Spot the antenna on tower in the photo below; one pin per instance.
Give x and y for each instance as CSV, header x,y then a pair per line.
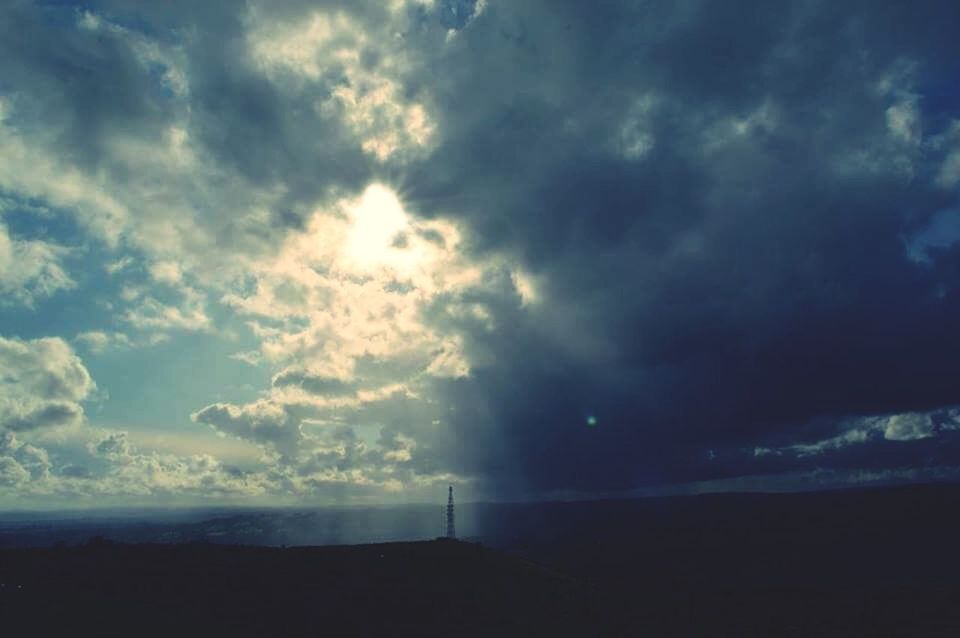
x,y
451,527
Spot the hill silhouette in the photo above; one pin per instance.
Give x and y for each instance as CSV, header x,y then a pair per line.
x,y
879,562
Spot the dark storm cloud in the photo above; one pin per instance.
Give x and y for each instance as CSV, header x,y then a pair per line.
x,y
743,280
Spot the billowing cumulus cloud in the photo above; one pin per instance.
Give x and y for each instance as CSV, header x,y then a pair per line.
x,y
535,246
93,467
262,422
43,384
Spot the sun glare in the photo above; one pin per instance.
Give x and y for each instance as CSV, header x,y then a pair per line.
x,y
378,223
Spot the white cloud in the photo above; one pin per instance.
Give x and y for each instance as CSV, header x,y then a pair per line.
x,y
114,467
341,311
262,422
948,175
153,189
130,470
908,427
370,100
850,437
98,341
43,383
903,120
636,137
152,314
99,466
30,269
30,170
353,286
12,473
250,357
118,265
167,272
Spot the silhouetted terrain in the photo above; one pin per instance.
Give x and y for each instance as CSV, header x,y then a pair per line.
x,y
879,562
430,588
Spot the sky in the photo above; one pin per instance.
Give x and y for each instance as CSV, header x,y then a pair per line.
x,y
337,253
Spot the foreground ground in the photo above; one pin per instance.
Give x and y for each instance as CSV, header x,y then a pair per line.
x,y
854,563
428,588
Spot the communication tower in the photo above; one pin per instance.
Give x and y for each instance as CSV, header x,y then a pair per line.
x,y
451,527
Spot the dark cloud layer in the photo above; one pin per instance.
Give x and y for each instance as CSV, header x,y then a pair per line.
x,y
729,287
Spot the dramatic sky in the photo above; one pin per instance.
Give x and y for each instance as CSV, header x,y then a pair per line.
x,y
350,252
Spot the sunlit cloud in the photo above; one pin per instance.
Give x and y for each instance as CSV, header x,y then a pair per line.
x,y
341,310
